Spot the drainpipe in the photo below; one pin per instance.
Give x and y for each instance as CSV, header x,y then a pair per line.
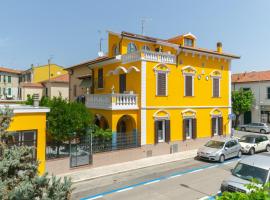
x,y
120,44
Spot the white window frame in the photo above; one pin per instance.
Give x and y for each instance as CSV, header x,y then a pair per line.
x,y
192,75
162,72
129,47
163,128
219,78
190,125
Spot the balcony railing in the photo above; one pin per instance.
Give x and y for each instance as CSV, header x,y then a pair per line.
x,y
149,56
112,101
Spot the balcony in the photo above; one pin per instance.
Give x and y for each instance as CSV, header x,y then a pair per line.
x,y
112,101
149,56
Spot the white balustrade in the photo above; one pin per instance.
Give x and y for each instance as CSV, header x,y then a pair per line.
x,y
149,56
112,101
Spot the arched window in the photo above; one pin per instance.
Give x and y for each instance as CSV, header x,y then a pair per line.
x,y
131,47
145,48
115,50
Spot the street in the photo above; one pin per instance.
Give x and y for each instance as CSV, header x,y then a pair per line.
x,y
190,179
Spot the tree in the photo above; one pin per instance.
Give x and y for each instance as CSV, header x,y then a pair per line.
x,y
19,178
258,192
67,120
241,102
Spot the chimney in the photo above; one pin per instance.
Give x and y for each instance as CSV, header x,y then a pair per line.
x,y
219,47
35,100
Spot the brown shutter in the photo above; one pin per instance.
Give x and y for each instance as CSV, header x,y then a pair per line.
x,y
194,128
100,78
167,131
188,86
184,134
215,87
156,132
220,125
213,126
161,87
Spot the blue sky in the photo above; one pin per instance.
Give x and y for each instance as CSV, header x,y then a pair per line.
x,y
31,31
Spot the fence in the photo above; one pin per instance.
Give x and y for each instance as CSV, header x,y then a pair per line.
x,y
99,144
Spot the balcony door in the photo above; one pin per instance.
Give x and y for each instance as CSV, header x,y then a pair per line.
x,y
122,83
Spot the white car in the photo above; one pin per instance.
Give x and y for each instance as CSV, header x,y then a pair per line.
x,y
254,143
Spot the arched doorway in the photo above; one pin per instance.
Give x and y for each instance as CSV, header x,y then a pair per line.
x,y
126,132
101,121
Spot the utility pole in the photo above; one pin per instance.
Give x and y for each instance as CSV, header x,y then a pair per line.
x,y
143,21
49,65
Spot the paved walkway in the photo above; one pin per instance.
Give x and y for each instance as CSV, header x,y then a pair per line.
x,y
87,174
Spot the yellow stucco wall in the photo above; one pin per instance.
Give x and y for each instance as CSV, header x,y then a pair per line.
x,y
41,73
33,121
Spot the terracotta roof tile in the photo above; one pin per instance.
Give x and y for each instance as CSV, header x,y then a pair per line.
x,y
8,70
251,77
59,79
31,85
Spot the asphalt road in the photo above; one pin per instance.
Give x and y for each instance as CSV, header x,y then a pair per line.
x,y
187,179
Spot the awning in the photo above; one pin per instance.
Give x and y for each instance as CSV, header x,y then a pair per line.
x,y
86,83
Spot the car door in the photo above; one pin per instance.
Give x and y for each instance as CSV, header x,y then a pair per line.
x,y
265,142
228,149
258,144
250,127
235,148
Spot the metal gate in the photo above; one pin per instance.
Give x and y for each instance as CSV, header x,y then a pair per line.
x,y
81,151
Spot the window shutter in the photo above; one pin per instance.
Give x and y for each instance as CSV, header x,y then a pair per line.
x,y
213,126
188,86
194,128
184,133
220,125
100,78
167,131
161,84
156,133
215,87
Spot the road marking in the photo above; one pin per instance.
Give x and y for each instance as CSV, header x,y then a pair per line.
x,y
211,197
174,175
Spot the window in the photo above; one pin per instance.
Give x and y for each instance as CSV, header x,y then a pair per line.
x,y
189,85
100,78
4,91
162,130
145,48
217,126
216,87
131,48
161,89
74,90
4,78
9,79
0,78
268,93
9,91
46,92
188,42
115,50
189,128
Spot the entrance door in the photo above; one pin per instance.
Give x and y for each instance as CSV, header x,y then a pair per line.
x,y
122,83
247,117
161,131
188,128
215,125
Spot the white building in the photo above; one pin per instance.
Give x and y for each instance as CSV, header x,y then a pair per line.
x,y
259,84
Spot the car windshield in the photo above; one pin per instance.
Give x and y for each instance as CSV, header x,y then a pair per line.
x,y
246,139
214,144
249,172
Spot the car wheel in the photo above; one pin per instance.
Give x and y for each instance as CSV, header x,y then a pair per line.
x,y
268,148
239,155
262,131
252,151
221,158
243,129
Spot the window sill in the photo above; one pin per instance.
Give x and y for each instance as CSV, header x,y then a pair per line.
x,y
189,96
217,97
99,88
161,95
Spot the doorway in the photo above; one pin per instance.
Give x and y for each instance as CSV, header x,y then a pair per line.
x,y
161,130
215,125
247,117
188,128
122,83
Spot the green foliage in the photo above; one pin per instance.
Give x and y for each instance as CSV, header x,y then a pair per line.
x,y
44,101
257,192
29,100
6,115
19,179
241,102
101,134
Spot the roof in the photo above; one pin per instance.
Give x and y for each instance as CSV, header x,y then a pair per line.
x,y
59,79
261,161
31,85
19,108
8,70
88,62
251,77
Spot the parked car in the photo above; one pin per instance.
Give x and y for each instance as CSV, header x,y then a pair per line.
x,y
254,143
256,166
255,127
220,149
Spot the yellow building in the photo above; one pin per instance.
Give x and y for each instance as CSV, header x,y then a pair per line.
x,y
29,128
163,90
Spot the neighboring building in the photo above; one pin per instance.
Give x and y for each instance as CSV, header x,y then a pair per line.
x,y
9,83
30,89
37,74
259,84
29,128
58,86
159,90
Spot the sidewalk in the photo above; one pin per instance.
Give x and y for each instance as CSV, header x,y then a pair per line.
x,y
88,174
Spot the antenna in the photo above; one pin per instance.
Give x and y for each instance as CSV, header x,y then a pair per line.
x,y
100,40
143,21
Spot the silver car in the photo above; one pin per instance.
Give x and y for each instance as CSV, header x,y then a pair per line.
x,y
253,167
255,127
220,150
